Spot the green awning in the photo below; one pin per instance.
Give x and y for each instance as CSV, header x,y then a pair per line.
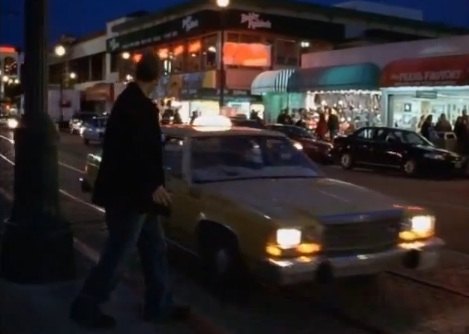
x,y
271,82
357,76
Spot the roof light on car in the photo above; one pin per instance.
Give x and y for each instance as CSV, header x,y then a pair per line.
x,y
12,123
298,145
212,123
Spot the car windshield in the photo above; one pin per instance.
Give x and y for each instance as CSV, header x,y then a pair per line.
x,y
226,158
412,138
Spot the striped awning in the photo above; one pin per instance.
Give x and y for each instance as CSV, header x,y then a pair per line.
x,y
271,82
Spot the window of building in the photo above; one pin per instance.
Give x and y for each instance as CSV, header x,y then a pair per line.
x,y
114,61
287,53
194,53
209,53
10,66
97,67
176,55
163,53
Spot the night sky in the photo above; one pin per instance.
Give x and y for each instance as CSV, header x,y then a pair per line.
x,y
79,17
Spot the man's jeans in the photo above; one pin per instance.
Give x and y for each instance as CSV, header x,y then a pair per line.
x,y
126,230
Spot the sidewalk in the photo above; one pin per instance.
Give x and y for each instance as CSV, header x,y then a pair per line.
x,y
43,309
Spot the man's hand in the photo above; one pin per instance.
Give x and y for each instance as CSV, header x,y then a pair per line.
x,y
161,196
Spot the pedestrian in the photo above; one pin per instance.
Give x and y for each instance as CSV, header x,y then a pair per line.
x,y
333,124
130,186
443,125
321,127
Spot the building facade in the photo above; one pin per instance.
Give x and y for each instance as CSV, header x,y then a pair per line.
x,y
248,51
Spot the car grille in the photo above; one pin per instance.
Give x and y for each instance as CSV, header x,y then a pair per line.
x,y
361,237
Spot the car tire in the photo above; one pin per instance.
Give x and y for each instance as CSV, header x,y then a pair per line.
x,y
222,261
346,160
409,167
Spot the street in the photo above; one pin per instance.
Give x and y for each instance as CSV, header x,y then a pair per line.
x,y
385,306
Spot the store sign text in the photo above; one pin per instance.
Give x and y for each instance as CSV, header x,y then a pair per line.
x,y
428,76
254,21
189,23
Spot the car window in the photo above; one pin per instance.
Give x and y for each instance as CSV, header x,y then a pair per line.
x,y
412,138
365,134
172,155
224,158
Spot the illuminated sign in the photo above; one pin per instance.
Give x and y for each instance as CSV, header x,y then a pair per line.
x,y
254,21
189,23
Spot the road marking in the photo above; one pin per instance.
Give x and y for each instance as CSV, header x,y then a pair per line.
x,y
4,157
63,164
11,141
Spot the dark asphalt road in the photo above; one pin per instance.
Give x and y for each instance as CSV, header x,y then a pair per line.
x,y
274,312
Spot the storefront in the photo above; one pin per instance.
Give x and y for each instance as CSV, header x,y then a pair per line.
x,y
272,87
352,91
415,88
196,62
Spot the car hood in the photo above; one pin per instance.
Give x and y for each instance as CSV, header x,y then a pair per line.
x,y
291,200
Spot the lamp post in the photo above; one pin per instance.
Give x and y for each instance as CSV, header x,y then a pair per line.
x,y
222,4
37,243
60,51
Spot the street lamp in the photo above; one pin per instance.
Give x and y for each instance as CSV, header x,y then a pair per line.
x,y
222,4
126,55
60,50
73,75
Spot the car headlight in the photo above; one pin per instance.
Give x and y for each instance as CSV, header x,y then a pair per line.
x,y
434,156
298,145
418,227
288,237
12,123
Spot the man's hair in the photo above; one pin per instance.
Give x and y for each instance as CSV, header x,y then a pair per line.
x,y
147,69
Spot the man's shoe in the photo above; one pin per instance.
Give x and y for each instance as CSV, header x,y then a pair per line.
x,y
91,318
176,313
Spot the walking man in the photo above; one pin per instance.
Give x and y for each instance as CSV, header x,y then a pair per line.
x,y
130,186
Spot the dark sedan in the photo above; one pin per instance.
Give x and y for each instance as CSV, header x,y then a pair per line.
x,y
395,148
317,150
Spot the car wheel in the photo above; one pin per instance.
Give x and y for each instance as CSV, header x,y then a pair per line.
x,y
346,160
409,167
221,259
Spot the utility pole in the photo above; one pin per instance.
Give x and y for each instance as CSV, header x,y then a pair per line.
x,y
37,244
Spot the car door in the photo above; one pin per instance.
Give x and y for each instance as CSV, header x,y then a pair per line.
x,y
378,154
362,145
185,206
394,149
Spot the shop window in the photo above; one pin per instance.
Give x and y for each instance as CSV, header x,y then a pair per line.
x,y
287,53
177,56
10,66
194,56
209,53
163,54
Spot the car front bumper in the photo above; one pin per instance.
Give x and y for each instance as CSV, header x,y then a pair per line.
x,y
417,255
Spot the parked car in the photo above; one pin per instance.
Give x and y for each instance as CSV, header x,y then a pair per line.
x,y
318,150
246,200
78,120
93,130
399,149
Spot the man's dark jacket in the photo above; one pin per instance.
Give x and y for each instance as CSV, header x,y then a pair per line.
x,y
131,167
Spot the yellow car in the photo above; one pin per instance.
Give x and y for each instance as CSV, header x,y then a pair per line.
x,y
248,200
